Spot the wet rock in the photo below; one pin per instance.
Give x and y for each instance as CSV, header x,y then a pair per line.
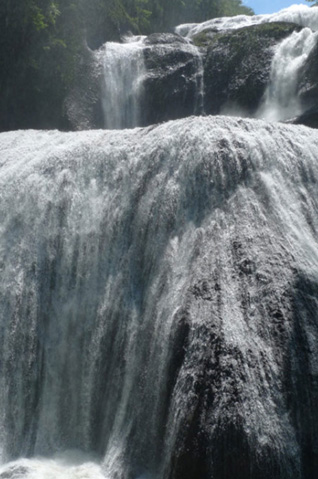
x,y
83,105
309,118
165,38
237,66
172,84
308,87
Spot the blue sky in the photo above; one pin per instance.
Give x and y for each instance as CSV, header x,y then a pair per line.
x,y
271,6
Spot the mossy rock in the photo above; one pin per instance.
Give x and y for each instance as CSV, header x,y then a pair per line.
x,y
237,65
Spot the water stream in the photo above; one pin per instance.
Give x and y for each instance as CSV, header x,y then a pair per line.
x,y
281,100
136,265
124,71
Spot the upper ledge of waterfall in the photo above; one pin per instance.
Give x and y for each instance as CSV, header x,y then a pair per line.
x,y
224,66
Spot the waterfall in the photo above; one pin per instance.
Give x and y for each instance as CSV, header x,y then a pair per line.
x,y
150,79
159,301
124,71
281,100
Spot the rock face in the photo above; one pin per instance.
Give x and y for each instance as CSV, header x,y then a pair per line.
x,y
309,118
83,104
308,84
173,84
237,66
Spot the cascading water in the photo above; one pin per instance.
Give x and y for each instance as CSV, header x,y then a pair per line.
x,y
281,100
131,70
124,72
158,291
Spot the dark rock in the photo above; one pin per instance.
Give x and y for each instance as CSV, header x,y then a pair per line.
x,y
237,66
172,85
308,84
83,104
14,472
309,118
164,38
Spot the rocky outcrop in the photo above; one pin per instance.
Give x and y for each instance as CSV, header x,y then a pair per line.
x,y
308,86
309,118
237,65
172,86
174,76
83,105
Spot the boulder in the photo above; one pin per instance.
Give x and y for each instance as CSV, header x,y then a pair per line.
x,y
309,118
237,65
173,85
83,105
308,84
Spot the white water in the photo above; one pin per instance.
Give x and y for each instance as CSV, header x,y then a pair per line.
x,y
124,72
69,465
281,100
302,15
104,237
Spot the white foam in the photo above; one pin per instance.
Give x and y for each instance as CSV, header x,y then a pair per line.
x,y
302,15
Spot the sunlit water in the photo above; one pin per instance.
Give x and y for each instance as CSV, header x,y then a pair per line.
x,y
124,71
69,465
281,100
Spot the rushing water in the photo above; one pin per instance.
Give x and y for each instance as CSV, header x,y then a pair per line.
x,y
281,100
148,288
124,71
67,465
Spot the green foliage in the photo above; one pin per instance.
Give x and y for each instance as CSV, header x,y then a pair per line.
x,y
39,43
